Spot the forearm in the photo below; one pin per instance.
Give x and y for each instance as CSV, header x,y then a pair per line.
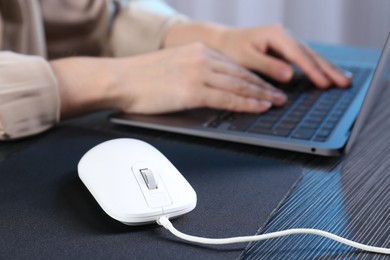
x,y
85,85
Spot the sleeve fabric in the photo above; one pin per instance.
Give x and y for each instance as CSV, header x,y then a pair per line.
x,y
140,26
29,101
106,27
29,94
75,27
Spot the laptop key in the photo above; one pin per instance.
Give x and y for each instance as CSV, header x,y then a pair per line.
x,y
259,130
275,132
275,112
313,120
269,118
281,132
242,123
291,120
220,118
323,133
303,133
287,125
297,114
214,124
328,126
333,119
320,139
310,125
265,124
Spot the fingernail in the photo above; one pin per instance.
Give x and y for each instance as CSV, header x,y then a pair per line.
x,y
279,98
347,74
286,74
265,104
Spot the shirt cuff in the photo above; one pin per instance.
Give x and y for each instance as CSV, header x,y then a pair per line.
x,y
140,26
29,98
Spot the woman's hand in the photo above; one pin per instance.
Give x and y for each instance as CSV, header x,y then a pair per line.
x,y
251,48
205,66
185,77
190,76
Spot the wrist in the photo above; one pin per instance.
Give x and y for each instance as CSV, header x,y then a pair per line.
x,y
85,85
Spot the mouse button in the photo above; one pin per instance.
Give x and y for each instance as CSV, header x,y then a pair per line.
x,y
183,195
157,197
112,185
120,197
149,178
181,192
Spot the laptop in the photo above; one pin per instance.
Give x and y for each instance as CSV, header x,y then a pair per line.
x,y
314,121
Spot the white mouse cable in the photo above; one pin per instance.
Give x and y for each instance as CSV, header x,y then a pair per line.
x,y
164,221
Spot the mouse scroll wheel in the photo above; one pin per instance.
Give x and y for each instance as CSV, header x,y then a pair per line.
x,y
149,179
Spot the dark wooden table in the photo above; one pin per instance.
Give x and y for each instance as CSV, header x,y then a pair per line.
x,y
348,196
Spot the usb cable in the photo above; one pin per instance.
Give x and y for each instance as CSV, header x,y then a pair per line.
x,y
167,224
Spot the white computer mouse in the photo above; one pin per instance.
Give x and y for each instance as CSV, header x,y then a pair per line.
x,y
135,183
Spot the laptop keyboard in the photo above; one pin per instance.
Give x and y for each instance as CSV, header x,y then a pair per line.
x,y
309,114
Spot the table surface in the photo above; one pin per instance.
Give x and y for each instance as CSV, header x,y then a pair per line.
x,y
347,195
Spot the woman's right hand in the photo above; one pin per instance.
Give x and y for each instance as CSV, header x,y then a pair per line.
x,y
186,77
173,79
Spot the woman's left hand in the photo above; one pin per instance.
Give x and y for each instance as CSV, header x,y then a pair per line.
x,y
270,50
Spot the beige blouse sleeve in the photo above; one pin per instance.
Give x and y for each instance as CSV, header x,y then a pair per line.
x,y
140,26
29,101
106,27
29,96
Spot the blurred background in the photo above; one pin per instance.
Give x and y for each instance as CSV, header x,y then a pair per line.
x,y
363,23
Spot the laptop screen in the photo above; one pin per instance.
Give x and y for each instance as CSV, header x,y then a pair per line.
x,y
380,80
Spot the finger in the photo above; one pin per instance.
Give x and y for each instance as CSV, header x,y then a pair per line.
x,y
274,68
219,99
217,55
225,65
238,71
292,52
256,60
243,88
334,74
239,80
270,66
